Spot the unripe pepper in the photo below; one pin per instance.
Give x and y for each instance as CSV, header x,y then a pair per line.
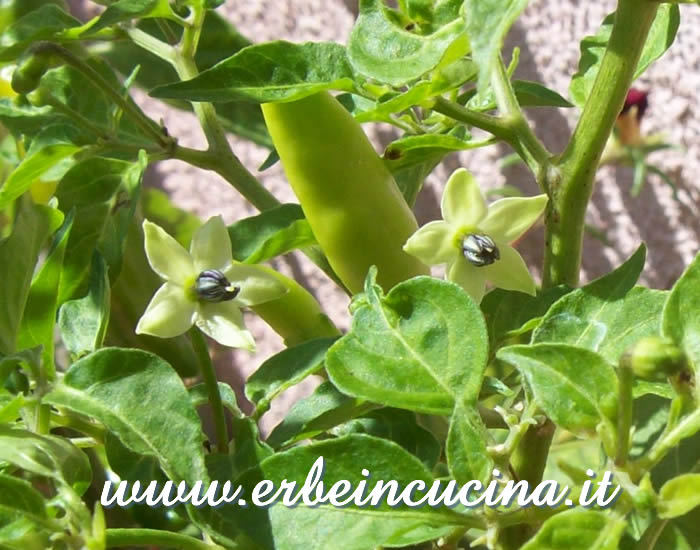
x,y
30,69
296,315
348,196
654,358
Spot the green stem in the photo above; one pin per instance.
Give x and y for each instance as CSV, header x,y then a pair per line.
x,y
530,148
121,538
209,378
512,130
625,412
687,426
567,209
652,534
149,127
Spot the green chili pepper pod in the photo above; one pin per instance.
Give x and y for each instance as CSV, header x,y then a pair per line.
x,y
349,197
30,69
296,315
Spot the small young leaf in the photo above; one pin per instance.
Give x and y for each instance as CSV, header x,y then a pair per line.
x,y
607,315
679,496
44,156
199,394
578,530
380,49
287,368
506,311
273,71
467,455
47,456
575,387
422,347
117,387
18,256
324,409
125,10
411,150
681,321
488,22
661,36
398,426
39,316
19,498
83,322
44,23
270,234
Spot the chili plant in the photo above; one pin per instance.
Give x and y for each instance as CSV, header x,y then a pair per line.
x,y
487,378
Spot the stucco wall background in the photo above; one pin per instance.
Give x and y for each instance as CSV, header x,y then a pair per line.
x,y
548,35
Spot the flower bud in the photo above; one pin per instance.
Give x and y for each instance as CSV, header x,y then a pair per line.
x,y
655,358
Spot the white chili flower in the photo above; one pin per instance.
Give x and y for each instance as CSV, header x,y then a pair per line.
x,y
475,240
203,287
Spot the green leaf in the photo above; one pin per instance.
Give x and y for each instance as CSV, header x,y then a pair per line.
x,y
91,188
47,456
681,322
607,315
575,387
488,23
116,387
158,208
314,528
421,347
18,256
446,79
284,370
467,454
10,407
44,156
661,36
269,234
507,311
125,10
39,318
382,50
398,426
679,496
19,498
44,23
528,94
83,322
274,71
578,530
199,394
324,409
412,150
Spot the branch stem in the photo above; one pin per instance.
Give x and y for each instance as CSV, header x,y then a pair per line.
x,y
578,163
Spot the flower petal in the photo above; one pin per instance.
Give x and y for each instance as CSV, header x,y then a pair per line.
x,y
166,256
462,202
257,286
432,243
168,314
509,218
510,272
211,246
469,277
223,321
